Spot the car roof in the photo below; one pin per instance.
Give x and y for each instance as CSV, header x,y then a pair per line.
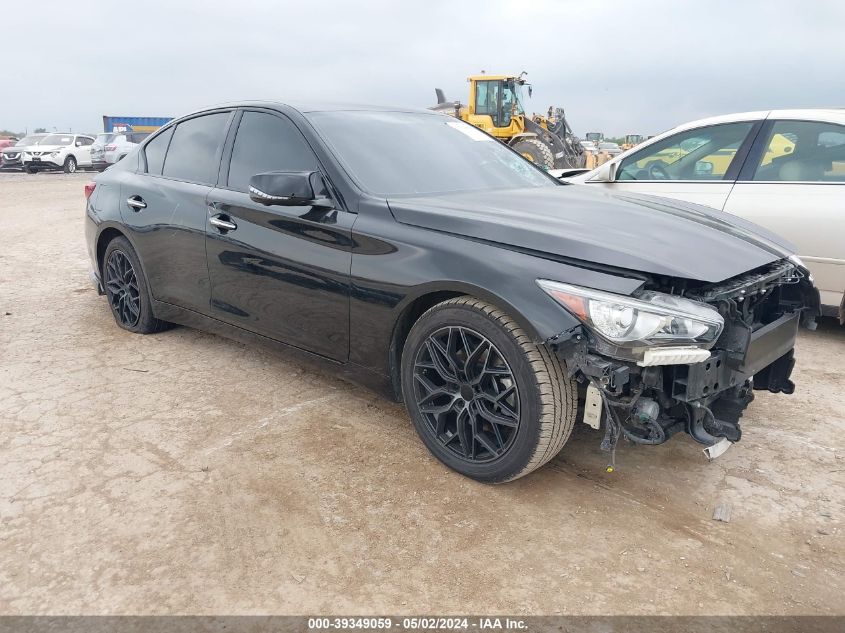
x,y
318,106
835,114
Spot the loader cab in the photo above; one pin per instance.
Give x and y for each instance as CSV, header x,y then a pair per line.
x,y
495,104
631,140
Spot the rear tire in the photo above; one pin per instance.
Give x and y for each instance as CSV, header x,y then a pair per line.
x,y
126,289
70,165
536,151
506,424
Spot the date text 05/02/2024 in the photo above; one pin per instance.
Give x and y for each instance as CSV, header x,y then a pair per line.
x,y
417,623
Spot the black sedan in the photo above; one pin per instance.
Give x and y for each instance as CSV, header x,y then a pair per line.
x,y
423,257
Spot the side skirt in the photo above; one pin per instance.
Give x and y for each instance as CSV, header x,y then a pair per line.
x,y
349,372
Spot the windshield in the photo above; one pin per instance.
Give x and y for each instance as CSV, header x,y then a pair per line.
x,y
57,139
406,153
29,140
103,139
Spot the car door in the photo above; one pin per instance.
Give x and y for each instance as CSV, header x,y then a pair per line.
x,y
83,150
697,165
164,205
282,272
793,183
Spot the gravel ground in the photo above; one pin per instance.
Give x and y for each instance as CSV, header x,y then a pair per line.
x,y
184,473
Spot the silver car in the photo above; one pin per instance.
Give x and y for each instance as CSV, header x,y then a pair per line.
x,y
110,147
10,157
611,148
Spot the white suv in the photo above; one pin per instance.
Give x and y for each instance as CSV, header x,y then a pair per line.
x,y
110,147
59,151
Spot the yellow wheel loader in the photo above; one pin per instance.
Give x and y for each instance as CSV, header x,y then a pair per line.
x,y
496,106
631,140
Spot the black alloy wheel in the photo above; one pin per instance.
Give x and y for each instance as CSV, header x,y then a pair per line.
x,y
122,289
485,399
468,394
127,289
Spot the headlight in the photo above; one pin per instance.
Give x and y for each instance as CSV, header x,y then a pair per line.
x,y
631,325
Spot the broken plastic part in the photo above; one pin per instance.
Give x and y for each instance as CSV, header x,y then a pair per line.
x,y
593,407
718,448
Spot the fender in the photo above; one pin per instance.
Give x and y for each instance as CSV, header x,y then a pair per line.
x,y
455,287
101,228
394,268
520,136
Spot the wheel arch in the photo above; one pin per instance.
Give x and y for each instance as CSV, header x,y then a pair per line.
x,y
108,233
414,306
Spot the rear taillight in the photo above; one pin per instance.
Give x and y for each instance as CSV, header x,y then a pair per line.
x,y
111,148
89,189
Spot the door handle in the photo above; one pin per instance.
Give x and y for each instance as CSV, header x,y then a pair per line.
x,y
222,222
136,202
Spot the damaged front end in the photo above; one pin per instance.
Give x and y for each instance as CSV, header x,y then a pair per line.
x,y
684,356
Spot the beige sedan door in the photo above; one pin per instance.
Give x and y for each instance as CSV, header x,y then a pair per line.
x,y
795,186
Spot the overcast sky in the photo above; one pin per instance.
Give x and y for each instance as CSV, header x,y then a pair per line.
x,y
616,66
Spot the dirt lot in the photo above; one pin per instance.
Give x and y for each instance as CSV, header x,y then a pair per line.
x,y
183,473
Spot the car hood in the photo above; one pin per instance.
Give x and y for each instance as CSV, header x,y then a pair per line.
x,y
624,230
45,148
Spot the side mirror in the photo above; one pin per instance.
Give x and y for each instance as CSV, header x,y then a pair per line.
x,y
605,172
78,143
289,189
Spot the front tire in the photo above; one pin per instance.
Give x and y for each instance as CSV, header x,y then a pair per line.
x,y
30,170
70,165
486,400
126,289
536,151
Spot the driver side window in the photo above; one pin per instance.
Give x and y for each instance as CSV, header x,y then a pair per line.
x,y
700,154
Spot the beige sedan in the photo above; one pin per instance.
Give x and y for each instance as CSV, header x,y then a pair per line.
x,y
782,169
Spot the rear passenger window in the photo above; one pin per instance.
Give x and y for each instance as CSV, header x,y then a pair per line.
x,y
803,151
266,142
155,150
194,151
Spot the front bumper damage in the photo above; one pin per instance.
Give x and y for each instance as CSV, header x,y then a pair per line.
x,y
649,403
